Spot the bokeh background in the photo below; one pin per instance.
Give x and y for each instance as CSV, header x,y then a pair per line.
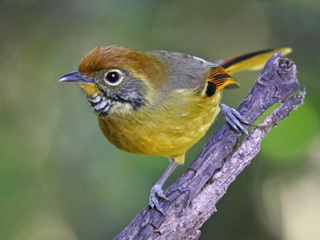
x,y
59,177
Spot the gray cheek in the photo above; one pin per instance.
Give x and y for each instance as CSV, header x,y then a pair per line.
x,y
134,95
131,90
130,94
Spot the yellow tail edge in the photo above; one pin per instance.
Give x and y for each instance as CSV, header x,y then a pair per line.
x,y
251,61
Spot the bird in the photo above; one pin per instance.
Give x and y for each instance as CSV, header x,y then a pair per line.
x,y
160,103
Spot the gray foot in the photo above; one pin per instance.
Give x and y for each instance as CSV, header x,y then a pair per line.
x,y
234,119
156,193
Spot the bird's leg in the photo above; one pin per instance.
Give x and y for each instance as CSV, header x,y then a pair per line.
x,y
156,190
234,119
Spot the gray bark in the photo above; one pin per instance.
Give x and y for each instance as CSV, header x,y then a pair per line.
x,y
194,195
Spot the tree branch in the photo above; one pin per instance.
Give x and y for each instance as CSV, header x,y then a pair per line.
x,y
194,195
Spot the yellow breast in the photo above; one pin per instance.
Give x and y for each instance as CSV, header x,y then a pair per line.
x,y
167,130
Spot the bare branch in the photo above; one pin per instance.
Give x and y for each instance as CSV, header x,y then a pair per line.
x,y
195,194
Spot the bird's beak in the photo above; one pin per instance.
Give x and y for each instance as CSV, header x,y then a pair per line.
x,y
76,77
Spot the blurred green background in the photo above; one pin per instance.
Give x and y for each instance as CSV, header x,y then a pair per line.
x,y
61,179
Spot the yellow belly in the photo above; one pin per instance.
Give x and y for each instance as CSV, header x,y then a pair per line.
x,y
167,130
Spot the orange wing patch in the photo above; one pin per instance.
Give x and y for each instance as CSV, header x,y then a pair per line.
x,y
219,78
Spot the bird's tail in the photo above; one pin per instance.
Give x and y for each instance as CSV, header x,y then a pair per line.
x,y
250,61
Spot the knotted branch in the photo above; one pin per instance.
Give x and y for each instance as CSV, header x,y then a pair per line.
x,y
194,195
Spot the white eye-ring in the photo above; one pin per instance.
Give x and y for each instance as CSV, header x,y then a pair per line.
x,y
113,77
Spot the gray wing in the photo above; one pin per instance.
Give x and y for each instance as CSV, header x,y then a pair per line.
x,y
186,72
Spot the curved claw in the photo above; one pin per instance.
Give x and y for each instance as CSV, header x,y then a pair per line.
x,y
234,119
156,193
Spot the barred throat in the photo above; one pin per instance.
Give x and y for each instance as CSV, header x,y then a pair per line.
x,y
100,104
103,105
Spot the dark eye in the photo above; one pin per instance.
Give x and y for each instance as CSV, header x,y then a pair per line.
x,y
113,77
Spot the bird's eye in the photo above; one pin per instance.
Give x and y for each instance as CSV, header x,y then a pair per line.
x,y
113,77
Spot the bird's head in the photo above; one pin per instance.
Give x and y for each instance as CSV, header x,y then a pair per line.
x,y
118,79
